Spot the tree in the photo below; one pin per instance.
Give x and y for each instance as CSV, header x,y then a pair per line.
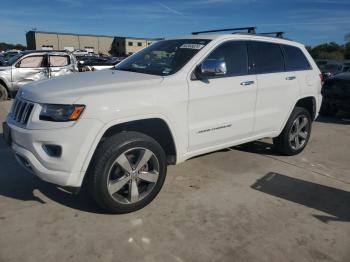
x,y
328,51
347,47
6,46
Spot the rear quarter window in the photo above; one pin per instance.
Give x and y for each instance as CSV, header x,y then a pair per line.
x,y
295,59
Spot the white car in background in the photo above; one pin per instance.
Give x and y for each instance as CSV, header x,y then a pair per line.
x,y
117,130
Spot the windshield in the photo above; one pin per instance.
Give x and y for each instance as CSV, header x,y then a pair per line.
x,y
13,59
163,57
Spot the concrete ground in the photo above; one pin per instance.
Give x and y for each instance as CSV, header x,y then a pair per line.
x,y
240,204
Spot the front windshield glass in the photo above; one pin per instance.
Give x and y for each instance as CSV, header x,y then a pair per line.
x,y
163,57
13,59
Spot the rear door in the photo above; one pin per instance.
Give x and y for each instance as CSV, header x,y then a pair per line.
x,y
221,109
277,89
28,69
59,65
297,62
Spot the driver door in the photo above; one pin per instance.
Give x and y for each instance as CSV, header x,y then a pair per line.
x,y
221,108
28,69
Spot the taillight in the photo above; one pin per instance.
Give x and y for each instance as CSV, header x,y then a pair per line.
x,y
322,79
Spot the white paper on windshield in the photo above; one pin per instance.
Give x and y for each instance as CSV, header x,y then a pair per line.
x,y
192,46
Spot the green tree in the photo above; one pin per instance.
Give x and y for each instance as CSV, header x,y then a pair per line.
x,y
6,46
330,50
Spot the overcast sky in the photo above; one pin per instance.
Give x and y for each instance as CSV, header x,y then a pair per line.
x,y
308,21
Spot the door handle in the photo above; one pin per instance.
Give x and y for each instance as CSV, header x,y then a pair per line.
x,y
247,83
290,77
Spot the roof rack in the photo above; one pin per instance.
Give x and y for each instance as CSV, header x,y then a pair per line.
x,y
250,30
277,34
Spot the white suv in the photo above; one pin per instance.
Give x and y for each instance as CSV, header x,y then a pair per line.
x,y
116,131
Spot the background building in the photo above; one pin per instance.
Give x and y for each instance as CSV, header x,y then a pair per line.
x,y
99,44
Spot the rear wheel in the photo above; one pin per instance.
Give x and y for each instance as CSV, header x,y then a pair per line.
x,y
127,172
295,134
3,93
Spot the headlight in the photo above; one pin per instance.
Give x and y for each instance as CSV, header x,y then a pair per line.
x,y
61,113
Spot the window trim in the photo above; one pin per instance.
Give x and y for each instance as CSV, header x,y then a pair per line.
x,y
43,63
250,50
193,73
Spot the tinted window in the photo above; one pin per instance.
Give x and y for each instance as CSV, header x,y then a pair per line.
x,y
267,57
295,59
234,54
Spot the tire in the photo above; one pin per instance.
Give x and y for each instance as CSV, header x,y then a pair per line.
x,y
117,179
296,133
3,93
327,109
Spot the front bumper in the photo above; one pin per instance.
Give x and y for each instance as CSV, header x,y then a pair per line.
x,y
75,141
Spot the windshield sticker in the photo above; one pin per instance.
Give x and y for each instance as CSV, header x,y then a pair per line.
x,y
192,46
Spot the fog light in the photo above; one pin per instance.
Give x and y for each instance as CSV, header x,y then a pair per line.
x,y
53,150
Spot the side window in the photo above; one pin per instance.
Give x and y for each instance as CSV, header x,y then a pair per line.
x,y
32,62
234,54
267,57
295,59
58,61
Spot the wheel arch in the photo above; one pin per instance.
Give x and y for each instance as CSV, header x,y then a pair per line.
x,y
154,126
309,103
4,84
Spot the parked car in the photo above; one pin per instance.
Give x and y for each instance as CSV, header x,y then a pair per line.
x,y
90,63
30,66
332,69
336,94
117,130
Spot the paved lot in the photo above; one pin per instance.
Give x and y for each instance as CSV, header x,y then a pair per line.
x,y
240,204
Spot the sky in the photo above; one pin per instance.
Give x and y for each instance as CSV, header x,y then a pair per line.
x,y
310,22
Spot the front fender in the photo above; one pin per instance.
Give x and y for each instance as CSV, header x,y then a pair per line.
x,y
119,121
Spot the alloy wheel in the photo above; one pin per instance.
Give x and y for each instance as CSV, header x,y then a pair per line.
x,y
133,175
299,132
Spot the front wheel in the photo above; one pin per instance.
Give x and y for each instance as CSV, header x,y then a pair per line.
x,y
127,172
295,134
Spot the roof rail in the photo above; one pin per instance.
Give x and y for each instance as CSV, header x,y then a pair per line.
x,y
250,30
277,34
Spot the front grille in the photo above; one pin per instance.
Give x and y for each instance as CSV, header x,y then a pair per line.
x,y
21,111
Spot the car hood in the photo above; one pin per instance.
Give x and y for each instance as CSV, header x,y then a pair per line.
x,y
69,88
4,68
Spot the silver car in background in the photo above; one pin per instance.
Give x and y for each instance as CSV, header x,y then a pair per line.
x,y
29,66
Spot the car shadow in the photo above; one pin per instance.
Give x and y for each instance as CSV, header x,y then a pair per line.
x,y
17,183
341,118
258,147
332,201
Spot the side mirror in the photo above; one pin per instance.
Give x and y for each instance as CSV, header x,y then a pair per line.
x,y
18,65
213,68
